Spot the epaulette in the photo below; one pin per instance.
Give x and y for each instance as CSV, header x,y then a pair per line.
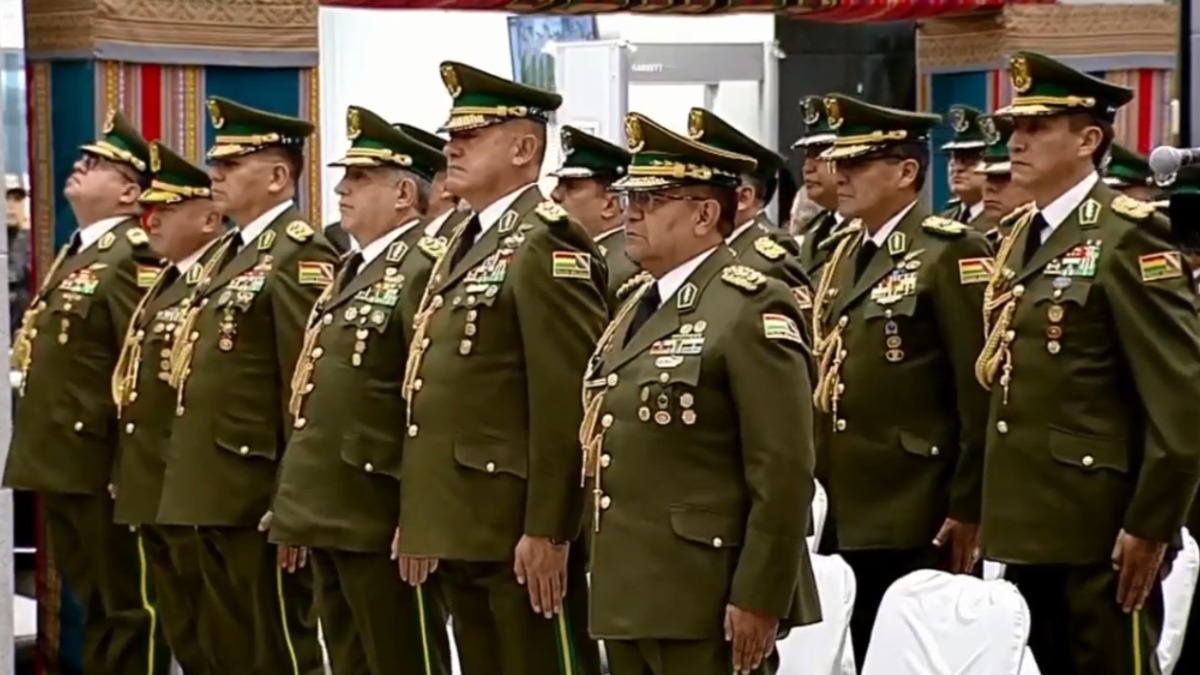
x,y
137,236
746,278
635,282
769,248
551,212
1017,213
434,247
299,231
837,235
943,226
1130,208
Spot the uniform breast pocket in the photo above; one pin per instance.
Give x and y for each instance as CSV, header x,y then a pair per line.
x,y
1068,310
668,392
893,326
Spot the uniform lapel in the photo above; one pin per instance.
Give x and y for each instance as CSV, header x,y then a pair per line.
x,y
666,320
85,257
881,263
490,241
248,256
1067,235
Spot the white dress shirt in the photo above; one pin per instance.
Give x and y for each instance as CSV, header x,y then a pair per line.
x,y
880,236
974,210
491,215
1057,211
673,280
92,233
260,224
376,248
436,224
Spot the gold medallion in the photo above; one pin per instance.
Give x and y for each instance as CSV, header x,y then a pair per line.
x,y
662,418
464,347
225,344
686,400
688,417
644,414
1055,313
895,355
356,360
894,342
1053,346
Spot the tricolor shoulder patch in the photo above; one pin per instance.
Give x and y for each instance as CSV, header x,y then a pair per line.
x,y
572,265
1160,266
781,327
975,270
146,276
313,273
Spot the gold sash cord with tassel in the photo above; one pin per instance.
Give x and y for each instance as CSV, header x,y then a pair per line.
x,y
125,375
425,310
22,349
185,334
999,305
592,428
305,365
828,348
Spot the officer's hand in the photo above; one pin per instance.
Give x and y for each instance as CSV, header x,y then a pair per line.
x,y
541,566
292,558
413,571
1136,561
964,544
752,636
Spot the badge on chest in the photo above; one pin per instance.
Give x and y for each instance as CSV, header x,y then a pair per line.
x,y
898,284
687,341
490,273
84,281
385,292
1080,261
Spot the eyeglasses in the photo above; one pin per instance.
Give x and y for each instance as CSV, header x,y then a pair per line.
x,y
650,201
92,162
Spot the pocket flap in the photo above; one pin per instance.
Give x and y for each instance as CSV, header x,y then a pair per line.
x,y
248,444
673,369
906,306
1088,453
491,458
717,530
1075,293
918,445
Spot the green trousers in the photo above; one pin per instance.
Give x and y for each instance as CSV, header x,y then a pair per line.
x,y
676,657
374,623
173,555
1076,626
105,565
260,617
497,632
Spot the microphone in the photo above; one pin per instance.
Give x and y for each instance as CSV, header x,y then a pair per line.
x,y
1166,160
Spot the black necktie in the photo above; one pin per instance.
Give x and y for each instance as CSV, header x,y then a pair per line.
x,y
466,241
863,259
646,308
76,244
350,270
1036,228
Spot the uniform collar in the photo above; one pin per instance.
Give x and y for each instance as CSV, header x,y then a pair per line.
x,y
489,216
974,210
92,233
671,281
740,229
880,236
608,233
260,224
373,250
1057,211
186,264
436,224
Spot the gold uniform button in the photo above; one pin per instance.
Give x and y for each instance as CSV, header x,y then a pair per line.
x,y
79,426
438,301
664,377
1088,460
605,460
717,542
1002,427
605,502
934,451
417,384
316,353
843,321
309,387
327,319
612,380
1018,291
368,467
300,422
130,427
841,425
491,467
244,450
412,430
607,420
425,343
132,396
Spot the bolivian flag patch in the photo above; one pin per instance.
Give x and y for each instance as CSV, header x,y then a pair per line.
x,y
146,276
572,265
780,327
1160,266
975,270
312,273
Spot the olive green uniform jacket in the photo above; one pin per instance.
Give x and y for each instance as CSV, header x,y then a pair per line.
x,y
705,467
232,423
763,247
814,255
339,481
1097,429
957,210
65,434
493,447
149,408
620,267
910,422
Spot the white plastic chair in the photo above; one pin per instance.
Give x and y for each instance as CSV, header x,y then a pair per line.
x,y
935,623
1178,589
820,510
820,649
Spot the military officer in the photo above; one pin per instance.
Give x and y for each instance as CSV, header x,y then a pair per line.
x,y
698,555
184,225
65,435
1001,197
1093,361
245,325
441,213
589,167
756,240
898,336
502,337
820,184
339,491
964,152
1129,173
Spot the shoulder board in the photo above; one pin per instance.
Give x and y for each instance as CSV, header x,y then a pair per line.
x,y
137,236
434,247
943,226
745,278
1017,213
299,231
635,282
769,248
832,240
551,212
1130,208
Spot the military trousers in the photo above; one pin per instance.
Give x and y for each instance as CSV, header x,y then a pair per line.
x,y
875,570
374,623
677,657
497,632
261,617
105,565
1077,627
173,556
